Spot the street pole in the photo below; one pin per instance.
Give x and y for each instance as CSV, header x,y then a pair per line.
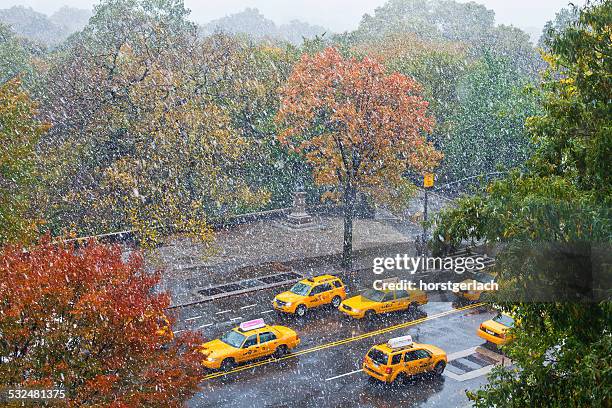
x,y
428,182
425,216
425,223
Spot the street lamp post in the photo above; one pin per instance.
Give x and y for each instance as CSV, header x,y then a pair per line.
x,y
425,200
428,182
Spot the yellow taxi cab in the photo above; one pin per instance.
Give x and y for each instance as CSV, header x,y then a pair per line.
x,y
374,301
251,340
400,357
473,294
310,293
496,329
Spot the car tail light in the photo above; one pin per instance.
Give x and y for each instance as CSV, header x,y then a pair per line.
x,y
502,335
388,370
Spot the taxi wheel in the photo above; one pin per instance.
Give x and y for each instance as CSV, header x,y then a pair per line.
x,y
336,301
228,364
369,314
300,310
439,368
280,351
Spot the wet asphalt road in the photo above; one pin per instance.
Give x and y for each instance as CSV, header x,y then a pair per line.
x,y
324,371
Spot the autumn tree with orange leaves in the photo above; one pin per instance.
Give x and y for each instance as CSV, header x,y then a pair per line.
x,y
358,127
85,321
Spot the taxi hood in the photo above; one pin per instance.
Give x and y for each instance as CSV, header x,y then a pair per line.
x,y
358,302
215,348
289,297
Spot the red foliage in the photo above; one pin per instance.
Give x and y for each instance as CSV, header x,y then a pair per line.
x,y
86,321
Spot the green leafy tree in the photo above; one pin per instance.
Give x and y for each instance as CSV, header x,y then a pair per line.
x,y
450,21
487,127
513,45
476,77
33,25
144,137
562,200
18,57
563,19
19,133
438,66
253,102
398,16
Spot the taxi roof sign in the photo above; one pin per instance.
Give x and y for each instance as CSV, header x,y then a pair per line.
x,y
400,342
252,324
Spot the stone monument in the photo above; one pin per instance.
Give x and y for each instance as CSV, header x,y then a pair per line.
x,y
298,216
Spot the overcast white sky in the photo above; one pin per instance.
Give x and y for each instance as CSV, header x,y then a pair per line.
x,y
337,15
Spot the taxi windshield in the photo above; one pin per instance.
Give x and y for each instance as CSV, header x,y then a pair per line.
x,y
373,295
301,289
505,320
378,356
233,338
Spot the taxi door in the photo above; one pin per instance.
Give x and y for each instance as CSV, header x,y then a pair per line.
x,y
267,343
396,364
250,349
417,361
402,299
388,302
320,295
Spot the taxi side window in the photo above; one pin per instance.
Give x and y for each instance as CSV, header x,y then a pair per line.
x,y
316,290
416,355
388,297
411,355
267,336
402,294
325,287
320,289
396,359
337,284
251,341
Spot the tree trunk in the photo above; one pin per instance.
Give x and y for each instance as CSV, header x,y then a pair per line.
x,y
349,213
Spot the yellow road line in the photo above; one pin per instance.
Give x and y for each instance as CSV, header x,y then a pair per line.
x,y
343,341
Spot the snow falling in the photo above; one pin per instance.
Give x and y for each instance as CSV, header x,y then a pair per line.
x,y
190,209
